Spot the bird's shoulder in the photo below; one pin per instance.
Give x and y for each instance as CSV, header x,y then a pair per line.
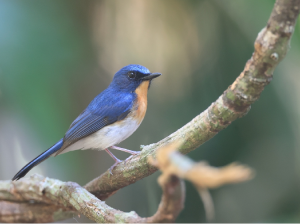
x,y
112,102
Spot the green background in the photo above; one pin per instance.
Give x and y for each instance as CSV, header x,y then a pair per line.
x,y
55,56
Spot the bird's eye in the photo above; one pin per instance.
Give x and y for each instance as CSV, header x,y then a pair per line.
x,y
131,75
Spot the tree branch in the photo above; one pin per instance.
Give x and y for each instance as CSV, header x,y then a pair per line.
x,y
271,47
55,195
26,212
173,164
172,202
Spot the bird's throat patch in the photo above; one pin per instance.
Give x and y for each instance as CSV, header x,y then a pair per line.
x,y
141,93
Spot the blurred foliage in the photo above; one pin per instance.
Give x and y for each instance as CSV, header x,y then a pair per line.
x,y
55,56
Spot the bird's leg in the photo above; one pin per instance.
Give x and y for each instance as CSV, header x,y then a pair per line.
x,y
117,161
125,150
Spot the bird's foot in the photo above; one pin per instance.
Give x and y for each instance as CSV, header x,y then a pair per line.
x,y
113,166
125,150
117,161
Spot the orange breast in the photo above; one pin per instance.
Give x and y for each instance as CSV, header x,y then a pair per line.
x,y
141,101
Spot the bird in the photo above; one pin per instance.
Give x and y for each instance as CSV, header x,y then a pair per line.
x,y
111,117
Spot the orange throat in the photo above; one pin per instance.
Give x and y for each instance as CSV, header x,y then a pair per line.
x,y
141,101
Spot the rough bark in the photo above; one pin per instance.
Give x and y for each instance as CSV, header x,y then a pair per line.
x,y
32,212
62,199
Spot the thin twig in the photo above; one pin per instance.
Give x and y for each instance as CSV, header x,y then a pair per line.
x,y
172,163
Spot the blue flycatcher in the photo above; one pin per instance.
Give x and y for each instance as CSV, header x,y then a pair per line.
x,y
109,119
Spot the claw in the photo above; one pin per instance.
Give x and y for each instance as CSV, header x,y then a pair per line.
x,y
117,161
113,166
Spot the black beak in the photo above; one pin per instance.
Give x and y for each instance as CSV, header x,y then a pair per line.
x,y
151,76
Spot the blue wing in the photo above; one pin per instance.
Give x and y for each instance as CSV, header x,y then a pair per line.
x,y
107,108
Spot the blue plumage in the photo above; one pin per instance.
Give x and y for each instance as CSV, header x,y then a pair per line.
x,y
111,117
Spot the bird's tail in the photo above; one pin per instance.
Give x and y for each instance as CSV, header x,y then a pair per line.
x,y
38,160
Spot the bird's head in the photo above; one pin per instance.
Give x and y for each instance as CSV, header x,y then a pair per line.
x,y
130,77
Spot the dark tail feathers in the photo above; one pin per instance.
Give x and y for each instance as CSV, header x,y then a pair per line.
x,y
38,160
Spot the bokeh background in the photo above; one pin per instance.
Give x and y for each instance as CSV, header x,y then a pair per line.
x,y
55,56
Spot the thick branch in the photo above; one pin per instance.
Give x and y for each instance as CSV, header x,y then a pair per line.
x,y
54,194
24,212
271,46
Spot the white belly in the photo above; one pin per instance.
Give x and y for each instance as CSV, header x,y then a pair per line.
x,y
107,136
